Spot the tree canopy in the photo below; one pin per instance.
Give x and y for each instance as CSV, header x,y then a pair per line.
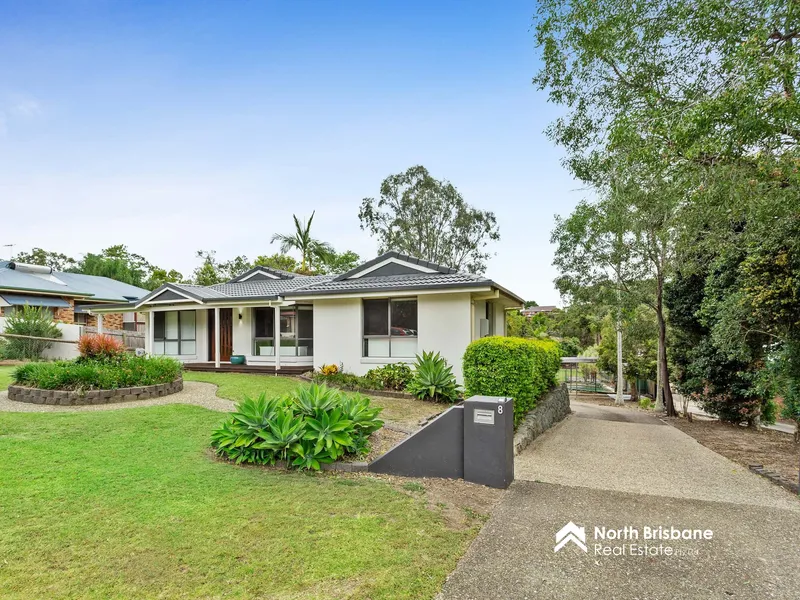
x,y
429,219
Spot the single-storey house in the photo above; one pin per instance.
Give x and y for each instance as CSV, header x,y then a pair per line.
x,y
68,296
386,310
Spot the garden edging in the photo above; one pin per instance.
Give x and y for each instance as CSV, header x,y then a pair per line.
x,y
365,391
20,393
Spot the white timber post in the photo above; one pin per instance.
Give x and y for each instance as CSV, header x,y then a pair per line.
x,y
277,320
216,338
148,333
99,323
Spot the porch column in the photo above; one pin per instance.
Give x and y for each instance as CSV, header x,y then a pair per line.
x,y
277,320
216,337
99,323
148,333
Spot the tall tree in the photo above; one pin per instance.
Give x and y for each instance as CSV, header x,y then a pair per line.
x,y
428,218
55,260
116,262
208,273
339,262
313,252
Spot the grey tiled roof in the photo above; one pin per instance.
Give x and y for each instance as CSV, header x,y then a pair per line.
x,y
391,282
266,288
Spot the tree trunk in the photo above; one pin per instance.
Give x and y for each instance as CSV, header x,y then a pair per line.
x,y
634,391
663,391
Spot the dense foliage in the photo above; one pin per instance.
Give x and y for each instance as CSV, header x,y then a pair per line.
x,y
313,425
124,371
30,321
433,379
395,376
513,367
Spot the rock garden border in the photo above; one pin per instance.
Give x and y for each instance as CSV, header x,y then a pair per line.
x,y
21,393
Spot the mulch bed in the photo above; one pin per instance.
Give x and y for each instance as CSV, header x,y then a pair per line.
x,y
775,450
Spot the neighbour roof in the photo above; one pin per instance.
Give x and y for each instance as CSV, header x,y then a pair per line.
x,y
391,283
22,300
17,276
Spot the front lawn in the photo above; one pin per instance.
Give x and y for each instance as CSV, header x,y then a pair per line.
x,y
5,377
131,504
235,386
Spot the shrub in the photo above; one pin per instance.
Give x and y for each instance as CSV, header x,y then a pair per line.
x,y
129,371
512,367
313,425
100,347
645,403
329,369
29,321
390,377
433,379
345,381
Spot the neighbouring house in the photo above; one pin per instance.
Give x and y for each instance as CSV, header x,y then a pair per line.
x,y
386,310
68,296
537,310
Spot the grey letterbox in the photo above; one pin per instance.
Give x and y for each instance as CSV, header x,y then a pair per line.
x,y
489,441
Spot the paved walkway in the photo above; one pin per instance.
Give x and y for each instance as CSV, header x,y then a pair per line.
x,y
598,469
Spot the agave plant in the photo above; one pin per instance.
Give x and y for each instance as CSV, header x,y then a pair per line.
x,y
283,434
329,432
364,417
259,413
433,379
307,456
313,400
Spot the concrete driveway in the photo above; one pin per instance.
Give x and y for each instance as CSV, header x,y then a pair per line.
x,y
619,469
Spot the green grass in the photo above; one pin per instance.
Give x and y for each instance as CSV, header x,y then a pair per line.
x,y
235,386
129,504
5,377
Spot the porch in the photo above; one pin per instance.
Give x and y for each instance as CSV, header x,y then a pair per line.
x,y
253,369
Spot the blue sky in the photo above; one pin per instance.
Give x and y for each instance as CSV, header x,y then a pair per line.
x,y
178,126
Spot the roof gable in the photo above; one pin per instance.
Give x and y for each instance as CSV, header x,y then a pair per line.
x,y
262,273
393,263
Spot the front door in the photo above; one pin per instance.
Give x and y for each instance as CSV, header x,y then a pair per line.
x,y
225,334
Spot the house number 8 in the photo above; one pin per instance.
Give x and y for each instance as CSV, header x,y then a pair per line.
x,y
500,410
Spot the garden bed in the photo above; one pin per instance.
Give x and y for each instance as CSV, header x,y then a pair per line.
x,y
31,395
774,450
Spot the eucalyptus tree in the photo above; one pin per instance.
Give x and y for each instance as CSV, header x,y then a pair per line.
x,y
429,219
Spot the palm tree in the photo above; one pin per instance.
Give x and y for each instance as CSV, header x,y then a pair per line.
x,y
310,249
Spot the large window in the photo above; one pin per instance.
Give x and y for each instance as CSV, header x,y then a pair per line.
x,y
296,330
174,332
264,332
390,328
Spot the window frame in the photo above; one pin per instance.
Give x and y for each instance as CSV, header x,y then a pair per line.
x,y
388,336
180,339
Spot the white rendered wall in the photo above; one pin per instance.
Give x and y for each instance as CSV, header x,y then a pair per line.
x,y
443,324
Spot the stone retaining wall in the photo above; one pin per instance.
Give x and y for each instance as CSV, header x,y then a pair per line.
x,y
549,410
30,395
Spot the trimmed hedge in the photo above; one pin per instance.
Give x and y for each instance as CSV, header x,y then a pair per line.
x,y
83,374
521,368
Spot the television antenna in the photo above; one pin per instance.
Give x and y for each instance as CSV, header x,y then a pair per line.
x,y
11,250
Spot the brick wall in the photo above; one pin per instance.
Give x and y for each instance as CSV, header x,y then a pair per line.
x,y
112,321
66,314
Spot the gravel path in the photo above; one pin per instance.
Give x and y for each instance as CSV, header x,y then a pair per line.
x,y
194,392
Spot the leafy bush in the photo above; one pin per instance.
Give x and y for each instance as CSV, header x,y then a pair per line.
x,y
29,321
390,377
433,379
100,347
570,346
128,371
329,369
345,381
645,403
313,425
512,367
